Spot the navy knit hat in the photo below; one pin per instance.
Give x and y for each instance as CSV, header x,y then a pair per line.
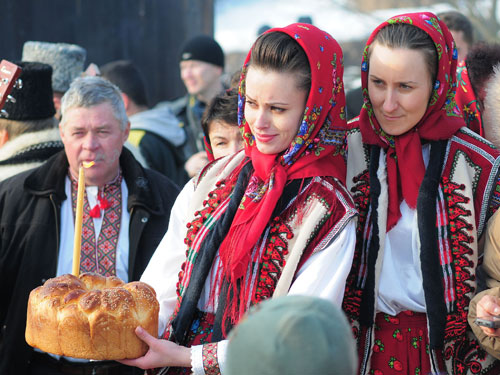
x,y
203,48
34,101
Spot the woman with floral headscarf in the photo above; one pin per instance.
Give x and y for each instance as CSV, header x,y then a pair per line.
x,y
273,219
424,186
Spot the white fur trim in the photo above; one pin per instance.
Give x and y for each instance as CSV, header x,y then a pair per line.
x,y
26,140
491,112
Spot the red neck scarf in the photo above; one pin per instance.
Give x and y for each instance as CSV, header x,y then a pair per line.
x,y
405,165
315,151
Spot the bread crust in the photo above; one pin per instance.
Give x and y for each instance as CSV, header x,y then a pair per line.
x,y
91,317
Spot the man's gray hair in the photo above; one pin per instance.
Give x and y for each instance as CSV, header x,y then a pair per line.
x,y
90,91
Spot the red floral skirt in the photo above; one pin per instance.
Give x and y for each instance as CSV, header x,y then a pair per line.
x,y
401,344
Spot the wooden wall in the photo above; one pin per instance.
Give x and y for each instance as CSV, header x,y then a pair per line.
x,y
148,32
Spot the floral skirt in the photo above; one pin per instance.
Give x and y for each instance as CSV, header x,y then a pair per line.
x,y
401,344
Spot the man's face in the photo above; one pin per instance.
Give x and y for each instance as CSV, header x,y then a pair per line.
x,y
460,43
199,76
93,134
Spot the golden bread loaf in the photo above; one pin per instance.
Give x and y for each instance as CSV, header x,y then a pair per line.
x,y
91,317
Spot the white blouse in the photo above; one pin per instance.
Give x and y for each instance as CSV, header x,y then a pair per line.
x,y
401,284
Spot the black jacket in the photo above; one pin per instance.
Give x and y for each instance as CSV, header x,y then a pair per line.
x,y
162,156
30,231
188,111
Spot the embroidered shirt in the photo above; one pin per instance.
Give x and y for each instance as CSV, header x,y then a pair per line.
x,y
67,232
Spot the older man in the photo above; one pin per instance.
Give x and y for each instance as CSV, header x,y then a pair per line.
x,y
126,210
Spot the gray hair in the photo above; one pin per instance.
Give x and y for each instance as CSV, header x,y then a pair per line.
x,y
90,91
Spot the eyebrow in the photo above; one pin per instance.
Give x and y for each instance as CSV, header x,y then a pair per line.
x,y
270,103
377,77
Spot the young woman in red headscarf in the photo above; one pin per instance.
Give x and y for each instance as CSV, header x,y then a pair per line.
x,y
273,219
424,186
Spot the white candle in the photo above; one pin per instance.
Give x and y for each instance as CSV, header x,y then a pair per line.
x,y
77,244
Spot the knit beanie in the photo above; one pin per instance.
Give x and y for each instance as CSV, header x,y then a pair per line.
x,y
67,60
34,100
203,48
292,335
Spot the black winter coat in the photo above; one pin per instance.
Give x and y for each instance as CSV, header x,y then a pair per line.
x,y
30,231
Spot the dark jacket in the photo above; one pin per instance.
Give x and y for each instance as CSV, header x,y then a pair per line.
x,y
30,231
160,139
163,157
188,111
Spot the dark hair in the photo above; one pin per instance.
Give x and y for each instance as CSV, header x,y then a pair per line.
x,y
403,35
235,80
128,78
223,107
456,21
480,61
277,51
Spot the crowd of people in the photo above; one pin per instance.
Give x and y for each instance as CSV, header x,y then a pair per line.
x,y
280,237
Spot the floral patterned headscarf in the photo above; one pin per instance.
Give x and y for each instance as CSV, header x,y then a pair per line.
x,y
405,164
315,151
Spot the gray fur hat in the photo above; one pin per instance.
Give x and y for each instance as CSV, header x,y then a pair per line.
x,y
67,60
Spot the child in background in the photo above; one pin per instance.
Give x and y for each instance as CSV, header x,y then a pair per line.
x,y
220,125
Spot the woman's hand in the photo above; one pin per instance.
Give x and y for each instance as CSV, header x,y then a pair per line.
x,y
489,306
161,353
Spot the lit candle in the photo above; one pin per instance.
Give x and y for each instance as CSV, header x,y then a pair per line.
x,y
77,244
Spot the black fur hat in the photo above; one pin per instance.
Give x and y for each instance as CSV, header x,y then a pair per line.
x,y
34,101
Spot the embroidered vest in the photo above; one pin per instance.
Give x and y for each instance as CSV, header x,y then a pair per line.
x,y
288,241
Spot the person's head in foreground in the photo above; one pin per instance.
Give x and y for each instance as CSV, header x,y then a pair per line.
x,y
292,335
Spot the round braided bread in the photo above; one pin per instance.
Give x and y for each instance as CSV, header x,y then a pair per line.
x,y
91,317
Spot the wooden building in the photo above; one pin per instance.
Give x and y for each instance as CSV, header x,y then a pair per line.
x,y
148,32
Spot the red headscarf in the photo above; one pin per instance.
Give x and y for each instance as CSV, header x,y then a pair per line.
x,y
315,151
208,149
405,164
466,100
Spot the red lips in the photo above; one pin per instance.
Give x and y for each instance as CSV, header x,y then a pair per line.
x,y
264,138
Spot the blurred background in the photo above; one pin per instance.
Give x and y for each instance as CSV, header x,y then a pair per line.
x,y
151,32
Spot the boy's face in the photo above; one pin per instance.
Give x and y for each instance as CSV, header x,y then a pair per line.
x,y
224,138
